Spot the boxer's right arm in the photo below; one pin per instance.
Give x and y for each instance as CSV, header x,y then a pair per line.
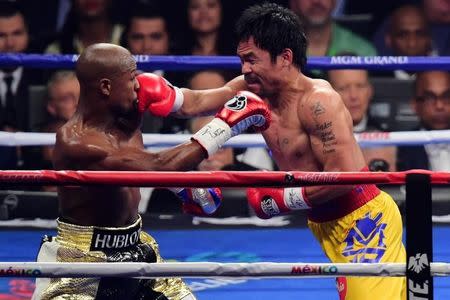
x,y
208,102
161,98
228,123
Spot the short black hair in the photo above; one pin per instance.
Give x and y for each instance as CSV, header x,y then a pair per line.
x,y
143,10
147,10
10,8
274,28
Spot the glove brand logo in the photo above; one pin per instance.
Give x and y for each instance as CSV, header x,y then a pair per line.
x,y
237,103
365,241
418,263
269,206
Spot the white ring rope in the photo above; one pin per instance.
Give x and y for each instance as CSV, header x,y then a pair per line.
x,y
365,139
209,269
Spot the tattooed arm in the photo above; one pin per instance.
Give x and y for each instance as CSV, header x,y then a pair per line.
x,y
330,130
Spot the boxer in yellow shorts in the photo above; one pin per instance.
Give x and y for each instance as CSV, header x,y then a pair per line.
x,y
363,226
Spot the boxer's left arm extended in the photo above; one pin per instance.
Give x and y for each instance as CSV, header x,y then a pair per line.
x,y
161,98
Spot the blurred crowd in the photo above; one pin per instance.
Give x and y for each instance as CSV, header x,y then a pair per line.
x,y
41,100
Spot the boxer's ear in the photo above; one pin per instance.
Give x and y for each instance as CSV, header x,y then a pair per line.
x,y
287,57
105,86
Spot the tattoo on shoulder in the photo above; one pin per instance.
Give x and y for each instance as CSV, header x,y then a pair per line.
x,y
327,137
317,109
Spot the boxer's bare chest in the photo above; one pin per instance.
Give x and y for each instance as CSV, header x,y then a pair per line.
x,y
289,143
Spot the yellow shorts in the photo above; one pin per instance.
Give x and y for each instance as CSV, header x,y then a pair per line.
x,y
370,234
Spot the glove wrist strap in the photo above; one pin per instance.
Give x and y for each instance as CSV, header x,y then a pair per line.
x,y
179,99
213,135
295,198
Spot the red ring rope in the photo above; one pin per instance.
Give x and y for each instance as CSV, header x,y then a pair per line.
x,y
205,179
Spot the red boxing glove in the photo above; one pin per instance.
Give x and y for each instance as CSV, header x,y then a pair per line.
x,y
243,111
269,202
157,95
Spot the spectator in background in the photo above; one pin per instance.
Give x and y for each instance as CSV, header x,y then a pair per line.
x,y
63,91
438,15
206,32
408,34
88,22
432,105
356,91
63,94
14,81
326,37
147,31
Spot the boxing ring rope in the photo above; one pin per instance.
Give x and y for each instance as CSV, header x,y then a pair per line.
x,y
209,269
365,139
155,62
213,178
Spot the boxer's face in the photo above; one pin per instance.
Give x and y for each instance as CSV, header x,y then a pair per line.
x,y
260,72
124,92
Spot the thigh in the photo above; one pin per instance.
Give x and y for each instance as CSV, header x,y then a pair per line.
x,y
166,288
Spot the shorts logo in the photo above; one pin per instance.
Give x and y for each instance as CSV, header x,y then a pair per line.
x,y
108,239
269,206
236,103
365,241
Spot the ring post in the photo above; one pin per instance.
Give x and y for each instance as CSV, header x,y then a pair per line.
x,y
419,239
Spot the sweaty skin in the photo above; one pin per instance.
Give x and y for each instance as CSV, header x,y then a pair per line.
x,y
311,130
104,135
